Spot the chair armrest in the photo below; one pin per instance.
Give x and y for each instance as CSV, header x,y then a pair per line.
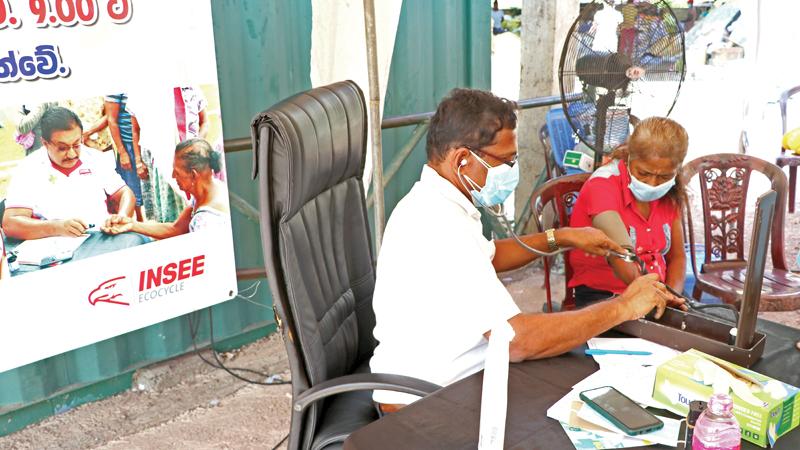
x,y
362,382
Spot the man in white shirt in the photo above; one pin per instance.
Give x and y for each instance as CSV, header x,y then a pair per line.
x,y
437,294
63,188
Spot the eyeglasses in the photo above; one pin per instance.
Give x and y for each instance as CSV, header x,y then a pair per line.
x,y
65,147
509,163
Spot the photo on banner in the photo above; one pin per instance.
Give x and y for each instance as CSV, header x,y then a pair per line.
x,y
114,209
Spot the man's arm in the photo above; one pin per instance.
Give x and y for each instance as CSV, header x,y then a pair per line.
x,y
19,223
510,255
96,128
676,258
125,198
544,335
112,114
121,224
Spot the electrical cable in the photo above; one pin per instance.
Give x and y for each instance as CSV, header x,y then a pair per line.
x,y
194,327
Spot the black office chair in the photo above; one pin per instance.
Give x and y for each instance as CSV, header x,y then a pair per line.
x,y
309,151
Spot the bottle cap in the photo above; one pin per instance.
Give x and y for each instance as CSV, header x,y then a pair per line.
x,y
695,409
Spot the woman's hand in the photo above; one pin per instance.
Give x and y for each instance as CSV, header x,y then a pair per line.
x,y
117,224
591,240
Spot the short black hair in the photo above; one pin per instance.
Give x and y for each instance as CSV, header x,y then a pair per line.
x,y
58,118
198,154
468,118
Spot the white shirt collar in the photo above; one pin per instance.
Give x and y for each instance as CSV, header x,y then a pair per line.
x,y
432,179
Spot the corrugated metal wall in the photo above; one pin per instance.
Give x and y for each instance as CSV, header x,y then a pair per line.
x,y
440,45
263,50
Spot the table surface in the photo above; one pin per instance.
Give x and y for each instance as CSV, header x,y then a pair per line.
x,y
96,244
449,418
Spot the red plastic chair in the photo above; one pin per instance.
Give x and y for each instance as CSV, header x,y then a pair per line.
x,y
561,193
724,180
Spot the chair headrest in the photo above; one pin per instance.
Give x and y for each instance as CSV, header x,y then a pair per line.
x,y
314,141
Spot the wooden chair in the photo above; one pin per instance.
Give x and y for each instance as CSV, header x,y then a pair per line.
x,y
724,180
561,192
790,160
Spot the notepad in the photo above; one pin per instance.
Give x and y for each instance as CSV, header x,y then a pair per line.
x,y
49,250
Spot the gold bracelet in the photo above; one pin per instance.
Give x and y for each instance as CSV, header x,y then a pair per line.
x,y
551,239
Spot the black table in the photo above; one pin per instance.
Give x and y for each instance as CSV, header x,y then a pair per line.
x,y
449,418
96,244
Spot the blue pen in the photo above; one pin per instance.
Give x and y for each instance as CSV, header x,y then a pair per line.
x,y
600,351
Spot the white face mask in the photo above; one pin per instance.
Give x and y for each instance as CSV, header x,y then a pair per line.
x,y
646,193
501,181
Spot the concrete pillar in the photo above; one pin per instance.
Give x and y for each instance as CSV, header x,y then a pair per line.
x,y
545,24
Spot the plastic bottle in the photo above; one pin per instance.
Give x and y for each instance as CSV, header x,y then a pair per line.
x,y
717,428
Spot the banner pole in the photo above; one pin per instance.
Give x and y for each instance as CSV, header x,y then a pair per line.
x,y
375,121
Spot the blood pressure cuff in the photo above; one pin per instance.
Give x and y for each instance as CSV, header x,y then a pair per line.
x,y
611,224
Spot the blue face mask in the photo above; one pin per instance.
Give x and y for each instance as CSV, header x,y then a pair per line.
x,y
500,183
646,193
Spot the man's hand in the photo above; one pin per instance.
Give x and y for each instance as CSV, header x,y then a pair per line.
x,y
70,227
117,224
124,160
644,294
591,240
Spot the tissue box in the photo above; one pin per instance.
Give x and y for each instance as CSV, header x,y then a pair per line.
x,y
765,408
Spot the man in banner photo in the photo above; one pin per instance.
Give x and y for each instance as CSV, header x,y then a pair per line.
x,y
63,188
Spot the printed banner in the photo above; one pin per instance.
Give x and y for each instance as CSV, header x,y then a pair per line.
x,y
113,200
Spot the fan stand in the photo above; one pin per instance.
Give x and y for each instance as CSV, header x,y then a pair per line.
x,y
603,104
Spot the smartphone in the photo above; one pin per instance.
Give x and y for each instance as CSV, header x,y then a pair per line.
x,y
623,412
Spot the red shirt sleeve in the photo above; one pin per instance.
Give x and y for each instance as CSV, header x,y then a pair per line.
x,y
601,194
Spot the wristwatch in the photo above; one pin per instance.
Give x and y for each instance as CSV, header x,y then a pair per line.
x,y
551,239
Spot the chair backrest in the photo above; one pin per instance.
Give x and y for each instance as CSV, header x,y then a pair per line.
x,y
784,101
309,151
561,194
724,180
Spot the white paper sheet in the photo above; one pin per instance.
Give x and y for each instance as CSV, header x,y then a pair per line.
x,y
590,440
494,394
48,250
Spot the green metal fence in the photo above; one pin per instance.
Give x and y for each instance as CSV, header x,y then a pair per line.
x,y
263,56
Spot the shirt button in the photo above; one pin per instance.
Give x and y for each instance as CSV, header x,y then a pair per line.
x,y
648,230
652,268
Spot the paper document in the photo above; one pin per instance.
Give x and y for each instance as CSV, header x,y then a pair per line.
x,y
589,440
659,353
44,251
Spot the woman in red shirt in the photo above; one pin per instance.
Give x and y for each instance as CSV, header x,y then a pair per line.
x,y
636,199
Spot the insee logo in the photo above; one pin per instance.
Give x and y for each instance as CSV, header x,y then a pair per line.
x,y
109,291
168,279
